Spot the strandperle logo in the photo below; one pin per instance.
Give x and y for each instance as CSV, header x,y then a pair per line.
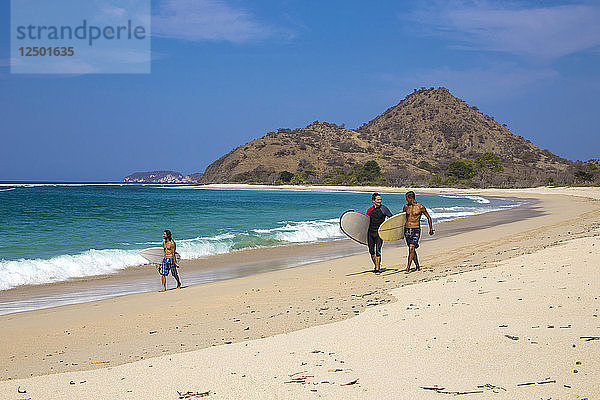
x,y
80,37
85,31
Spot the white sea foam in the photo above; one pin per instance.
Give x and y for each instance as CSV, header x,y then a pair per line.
x,y
14,185
7,190
308,231
15,273
478,199
38,271
449,213
205,246
445,216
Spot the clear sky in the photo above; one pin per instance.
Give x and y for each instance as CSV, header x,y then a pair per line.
x,y
226,72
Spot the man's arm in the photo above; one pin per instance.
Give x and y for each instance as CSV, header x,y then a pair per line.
x,y
174,254
424,211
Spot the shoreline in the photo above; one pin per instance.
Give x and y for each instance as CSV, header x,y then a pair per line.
x,y
481,333
140,326
583,191
486,333
218,267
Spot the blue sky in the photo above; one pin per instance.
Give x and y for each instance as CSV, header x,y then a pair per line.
x,y
226,72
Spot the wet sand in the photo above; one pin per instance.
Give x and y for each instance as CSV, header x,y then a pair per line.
x,y
136,327
225,266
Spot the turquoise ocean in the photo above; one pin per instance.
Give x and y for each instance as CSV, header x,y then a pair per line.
x,y
58,232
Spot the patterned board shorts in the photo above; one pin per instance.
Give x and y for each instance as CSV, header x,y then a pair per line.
x,y
412,236
168,264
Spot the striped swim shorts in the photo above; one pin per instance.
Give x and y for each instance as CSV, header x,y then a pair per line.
x,y
168,264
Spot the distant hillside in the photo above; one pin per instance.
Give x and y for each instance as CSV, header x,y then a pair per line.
x,y
195,177
161,177
429,138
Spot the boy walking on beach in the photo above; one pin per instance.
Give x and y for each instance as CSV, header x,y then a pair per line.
x,y
412,227
377,214
169,262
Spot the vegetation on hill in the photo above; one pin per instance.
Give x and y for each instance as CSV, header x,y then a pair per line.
x,y
429,138
587,173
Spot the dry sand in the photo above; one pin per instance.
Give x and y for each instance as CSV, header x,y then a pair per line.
x,y
500,306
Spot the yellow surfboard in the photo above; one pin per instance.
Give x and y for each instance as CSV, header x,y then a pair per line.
x,y
393,228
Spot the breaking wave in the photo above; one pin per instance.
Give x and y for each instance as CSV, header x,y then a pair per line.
x,y
93,262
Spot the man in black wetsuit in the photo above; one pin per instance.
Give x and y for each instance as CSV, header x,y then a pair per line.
x,y
377,213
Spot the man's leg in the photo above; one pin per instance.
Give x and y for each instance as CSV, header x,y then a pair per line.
x,y
372,244
416,260
411,256
164,283
176,276
378,245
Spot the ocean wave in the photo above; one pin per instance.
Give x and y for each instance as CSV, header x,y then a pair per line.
x,y
304,231
513,205
309,231
201,248
478,199
206,246
457,208
21,185
288,232
92,262
445,216
449,213
20,272
7,190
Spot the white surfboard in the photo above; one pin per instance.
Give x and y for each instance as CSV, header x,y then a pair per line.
x,y
355,225
393,228
155,255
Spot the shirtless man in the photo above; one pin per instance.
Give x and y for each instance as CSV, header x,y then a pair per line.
x,y
169,262
412,227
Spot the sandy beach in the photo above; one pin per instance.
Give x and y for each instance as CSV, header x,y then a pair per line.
x,y
506,310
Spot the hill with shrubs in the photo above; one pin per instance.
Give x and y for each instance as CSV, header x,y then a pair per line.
x,y
431,138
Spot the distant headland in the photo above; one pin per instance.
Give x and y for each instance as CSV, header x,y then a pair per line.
x,y
161,177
